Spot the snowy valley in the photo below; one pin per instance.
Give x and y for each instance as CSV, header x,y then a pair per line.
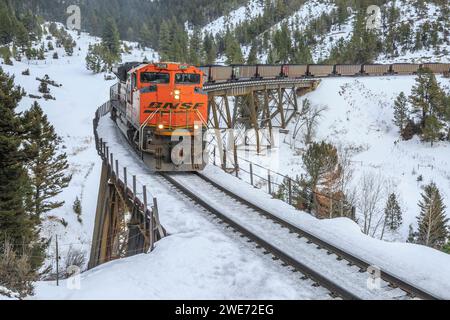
x,y
203,259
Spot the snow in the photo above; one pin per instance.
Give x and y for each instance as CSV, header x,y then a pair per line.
x,y
252,9
410,15
198,260
422,266
359,116
71,114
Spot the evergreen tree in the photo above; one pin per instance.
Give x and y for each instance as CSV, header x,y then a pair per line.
x,y
233,50
446,248
253,54
393,213
426,96
433,127
411,235
145,36
43,87
111,38
94,59
432,220
273,57
111,43
321,164
48,176
210,48
17,225
401,112
165,41
196,53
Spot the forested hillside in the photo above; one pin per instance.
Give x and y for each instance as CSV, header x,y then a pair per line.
x,y
136,19
256,31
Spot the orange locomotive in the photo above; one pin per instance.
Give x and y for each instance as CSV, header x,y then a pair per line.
x,y
163,110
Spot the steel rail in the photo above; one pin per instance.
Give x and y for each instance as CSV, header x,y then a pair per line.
x,y
335,289
404,285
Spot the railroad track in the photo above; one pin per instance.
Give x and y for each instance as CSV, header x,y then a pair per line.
x,y
342,274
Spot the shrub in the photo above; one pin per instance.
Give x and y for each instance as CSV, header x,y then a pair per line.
x,y
16,272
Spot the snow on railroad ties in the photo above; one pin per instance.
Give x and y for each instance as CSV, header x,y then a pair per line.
x,y
427,268
198,260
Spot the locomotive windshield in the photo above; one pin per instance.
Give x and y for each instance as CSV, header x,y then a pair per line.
x,y
187,78
157,77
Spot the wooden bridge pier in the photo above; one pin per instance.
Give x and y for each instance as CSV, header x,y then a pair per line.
x,y
125,223
259,106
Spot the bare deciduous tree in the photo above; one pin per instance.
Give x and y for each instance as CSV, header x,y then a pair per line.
x,y
307,122
370,200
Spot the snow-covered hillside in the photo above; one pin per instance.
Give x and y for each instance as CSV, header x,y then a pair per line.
x,y
313,9
201,259
71,114
358,117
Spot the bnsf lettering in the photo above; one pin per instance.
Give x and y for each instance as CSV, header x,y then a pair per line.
x,y
169,105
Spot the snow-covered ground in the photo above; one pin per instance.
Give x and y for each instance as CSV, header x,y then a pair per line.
x,y
358,116
71,114
251,10
201,260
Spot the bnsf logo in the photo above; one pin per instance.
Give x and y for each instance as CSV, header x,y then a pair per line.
x,y
169,105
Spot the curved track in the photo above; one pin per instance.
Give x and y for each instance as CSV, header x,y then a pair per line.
x,y
344,275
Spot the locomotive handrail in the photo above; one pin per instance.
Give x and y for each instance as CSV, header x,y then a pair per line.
x,y
142,127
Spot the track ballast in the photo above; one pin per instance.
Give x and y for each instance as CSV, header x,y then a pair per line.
x,y
342,274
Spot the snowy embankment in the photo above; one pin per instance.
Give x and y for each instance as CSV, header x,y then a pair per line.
x,y
358,116
71,114
200,259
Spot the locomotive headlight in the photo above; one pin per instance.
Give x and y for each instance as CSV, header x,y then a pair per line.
x,y
196,127
160,126
177,97
177,92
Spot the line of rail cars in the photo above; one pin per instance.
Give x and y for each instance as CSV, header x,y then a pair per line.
x,y
162,108
217,74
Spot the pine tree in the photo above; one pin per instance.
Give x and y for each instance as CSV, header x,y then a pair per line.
x,y
401,112
321,164
43,88
426,96
94,59
111,43
48,176
196,53
165,41
411,235
433,127
17,225
233,50
432,220
446,248
210,48
393,213
273,57
253,54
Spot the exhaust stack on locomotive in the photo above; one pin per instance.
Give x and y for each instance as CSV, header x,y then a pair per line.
x,y
163,111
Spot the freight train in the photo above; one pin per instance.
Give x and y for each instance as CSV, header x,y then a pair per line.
x,y
218,74
163,110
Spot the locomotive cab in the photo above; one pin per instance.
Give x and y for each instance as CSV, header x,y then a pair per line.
x,y
163,110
